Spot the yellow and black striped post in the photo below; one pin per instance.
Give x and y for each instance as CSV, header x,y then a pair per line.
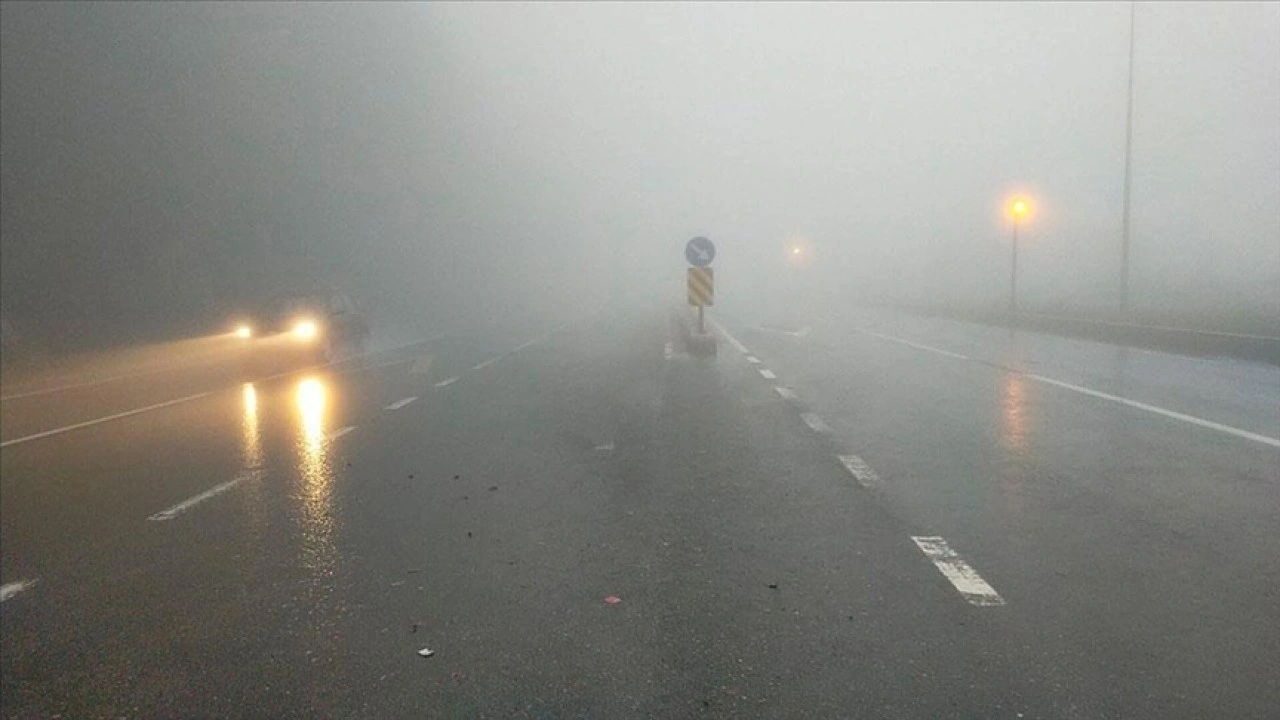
x,y
702,286
702,291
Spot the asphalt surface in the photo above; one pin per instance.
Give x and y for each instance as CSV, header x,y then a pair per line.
x,y
911,519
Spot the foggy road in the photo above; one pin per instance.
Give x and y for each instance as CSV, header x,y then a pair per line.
x,y
866,515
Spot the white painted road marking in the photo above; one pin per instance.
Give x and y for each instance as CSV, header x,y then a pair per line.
x,y
860,471
815,423
401,403
668,350
964,578
605,447
100,420
339,433
447,382
918,346
1174,415
85,384
1256,437
13,588
767,374
732,340
485,364
786,393
214,491
753,359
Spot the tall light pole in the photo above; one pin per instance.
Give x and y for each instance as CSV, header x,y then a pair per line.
x,y
1018,209
1128,162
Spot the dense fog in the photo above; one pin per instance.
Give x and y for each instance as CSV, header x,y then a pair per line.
x,y
165,165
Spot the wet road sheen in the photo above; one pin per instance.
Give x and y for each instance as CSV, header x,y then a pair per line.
x,y
901,518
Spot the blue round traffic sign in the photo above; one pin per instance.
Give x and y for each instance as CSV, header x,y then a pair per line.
x,y
700,252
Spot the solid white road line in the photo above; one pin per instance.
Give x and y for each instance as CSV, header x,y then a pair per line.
x,y
815,423
964,578
214,491
732,340
13,588
446,382
1264,439
753,359
85,384
786,393
400,403
1174,415
98,421
339,433
916,345
767,374
860,471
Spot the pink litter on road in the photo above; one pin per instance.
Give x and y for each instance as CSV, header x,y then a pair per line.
x,y
613,599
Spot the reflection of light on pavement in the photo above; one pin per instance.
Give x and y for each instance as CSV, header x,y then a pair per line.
x,y
317,479
1013,436
251,439
1013,429
251,450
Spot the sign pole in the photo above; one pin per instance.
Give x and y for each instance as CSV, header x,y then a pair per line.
x,y
702,330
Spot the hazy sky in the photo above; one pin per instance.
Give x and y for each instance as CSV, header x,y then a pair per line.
x,y
161,162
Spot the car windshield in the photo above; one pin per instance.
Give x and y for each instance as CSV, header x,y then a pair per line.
x,y
623,360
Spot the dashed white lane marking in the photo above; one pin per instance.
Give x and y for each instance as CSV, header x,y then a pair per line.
x,y
964,578
605,447
339,433
668,350
815,423
485,364
1264,439
732,340
916,345
860,471
767,374
447,382
400,403
214,491
753,359
9,590
109,418
786,393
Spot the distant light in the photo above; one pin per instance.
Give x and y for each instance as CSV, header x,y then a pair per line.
x,y
1020,207
795,251
244,331
305,329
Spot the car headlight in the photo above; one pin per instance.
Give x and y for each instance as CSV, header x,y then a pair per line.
x,y
244,331
306,329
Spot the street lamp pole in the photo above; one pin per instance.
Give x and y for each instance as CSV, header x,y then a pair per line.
x,y
1013,271
1128,173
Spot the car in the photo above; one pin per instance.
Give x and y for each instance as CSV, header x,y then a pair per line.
x,y
321,325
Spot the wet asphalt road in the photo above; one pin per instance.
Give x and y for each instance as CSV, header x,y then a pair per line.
x,y
286,547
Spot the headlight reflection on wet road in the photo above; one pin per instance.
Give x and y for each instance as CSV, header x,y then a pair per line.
x,y
315,469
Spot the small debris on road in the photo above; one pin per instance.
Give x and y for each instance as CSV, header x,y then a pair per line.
x,y
492,488
468,533
426,652
457,477
613,600
773,586
410,476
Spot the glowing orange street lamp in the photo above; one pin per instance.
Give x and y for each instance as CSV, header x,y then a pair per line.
x,y
1019,208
